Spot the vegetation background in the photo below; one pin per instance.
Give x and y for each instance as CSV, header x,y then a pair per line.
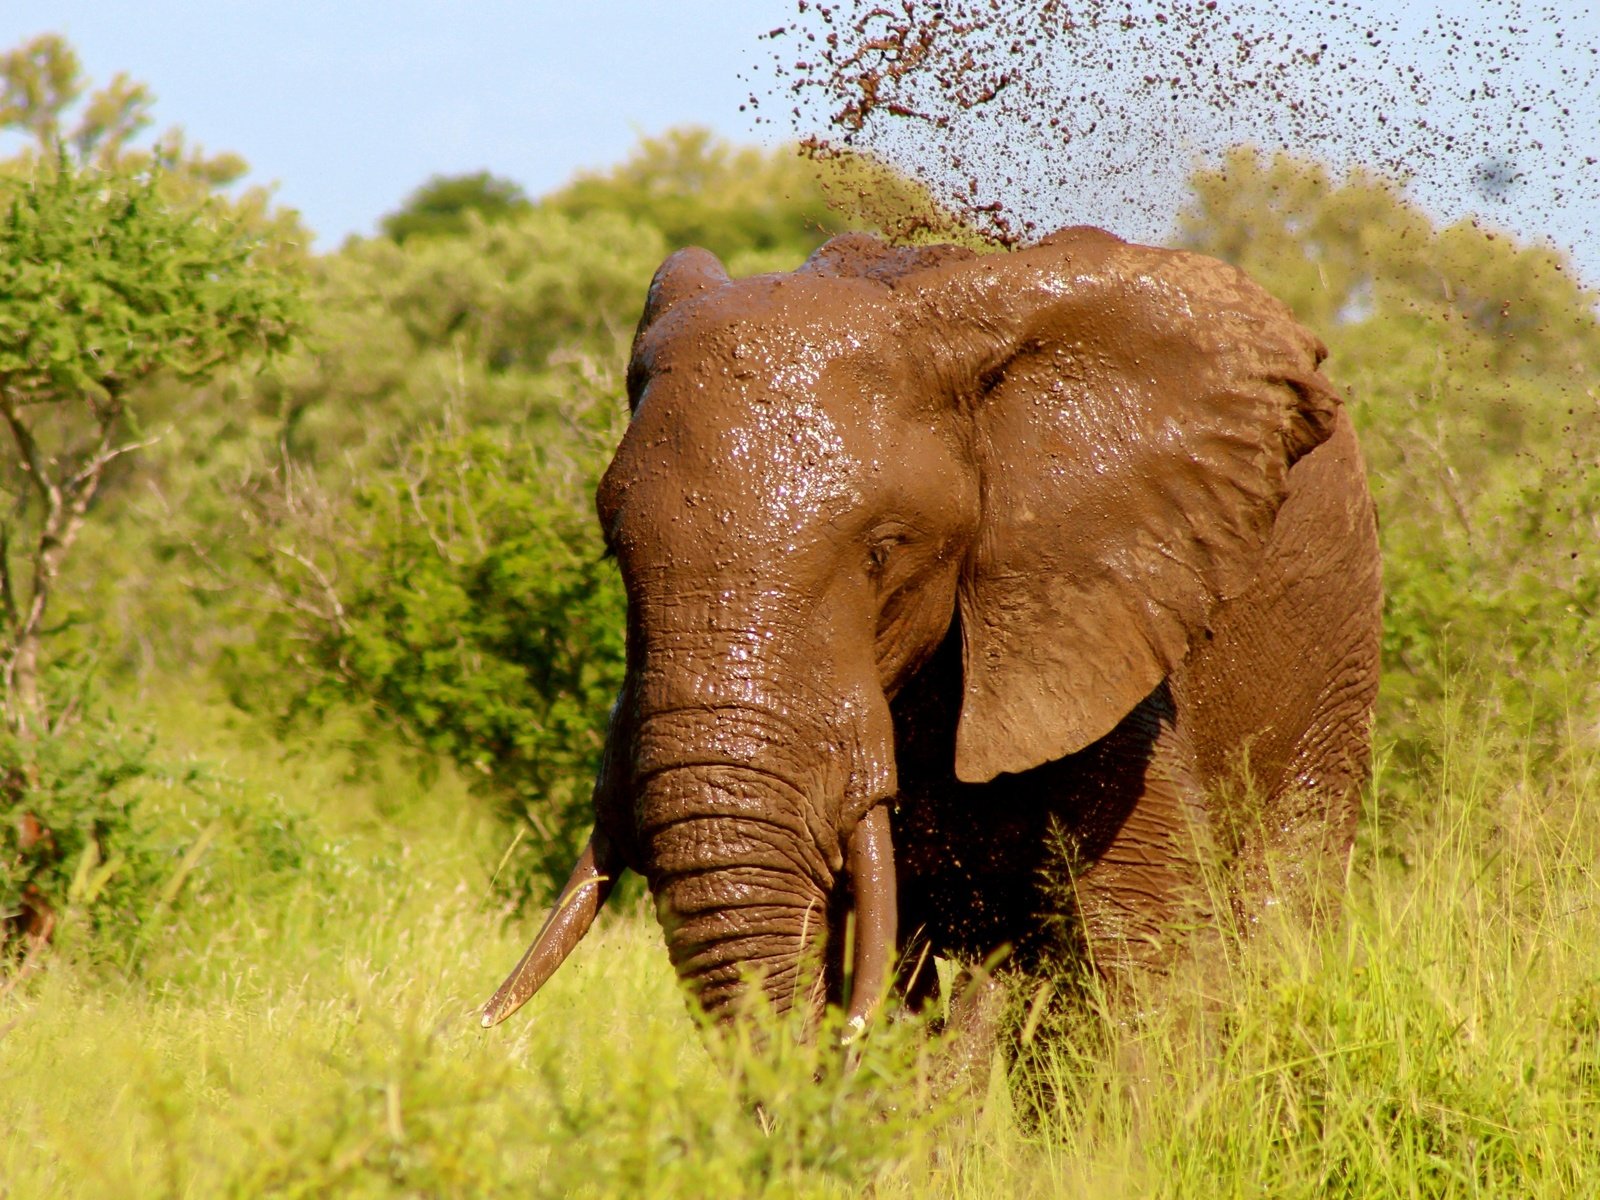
x,y
324,672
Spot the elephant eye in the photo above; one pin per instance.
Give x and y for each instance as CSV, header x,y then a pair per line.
x,y
884,544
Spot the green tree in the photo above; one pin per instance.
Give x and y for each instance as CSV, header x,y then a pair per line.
x,y
440,206
756,209
134,606
46,101
106,285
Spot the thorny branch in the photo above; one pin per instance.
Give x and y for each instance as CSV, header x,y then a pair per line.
x,y
289,492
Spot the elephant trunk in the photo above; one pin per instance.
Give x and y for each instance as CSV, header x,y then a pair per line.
x,y
762,833
751,820
741,885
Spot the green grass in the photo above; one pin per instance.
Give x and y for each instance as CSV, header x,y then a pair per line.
x,y
303,1023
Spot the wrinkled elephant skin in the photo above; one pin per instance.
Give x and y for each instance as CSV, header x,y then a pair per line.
x,y
973,595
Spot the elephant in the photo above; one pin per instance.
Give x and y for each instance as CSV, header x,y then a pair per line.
x,y
974,600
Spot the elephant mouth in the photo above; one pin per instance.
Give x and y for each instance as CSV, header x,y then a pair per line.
x,y
800,940
715,956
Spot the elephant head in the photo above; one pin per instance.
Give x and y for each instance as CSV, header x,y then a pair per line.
x,y
1069,454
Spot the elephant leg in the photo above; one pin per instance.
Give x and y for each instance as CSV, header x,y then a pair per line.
x,y
1296,855
1140,891
978,1005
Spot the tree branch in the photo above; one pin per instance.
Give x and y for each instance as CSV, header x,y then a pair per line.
x,y
8,596
103,459
335,610
63,518
32,461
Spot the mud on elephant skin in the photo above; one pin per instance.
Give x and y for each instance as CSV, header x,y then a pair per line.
x,y
937,560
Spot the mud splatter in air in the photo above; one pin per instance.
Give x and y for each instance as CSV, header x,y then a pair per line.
x,y
1028,114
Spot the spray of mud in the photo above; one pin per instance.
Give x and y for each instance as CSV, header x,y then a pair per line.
x,y
1024,115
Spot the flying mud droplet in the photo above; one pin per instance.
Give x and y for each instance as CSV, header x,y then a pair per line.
x,y
1023,115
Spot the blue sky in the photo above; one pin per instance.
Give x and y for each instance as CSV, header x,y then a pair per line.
x,y
349,104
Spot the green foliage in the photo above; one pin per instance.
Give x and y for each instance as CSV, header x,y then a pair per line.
x,y
106,284
107,847
490,323
757,210
474,610
440,206
71,834
1471,364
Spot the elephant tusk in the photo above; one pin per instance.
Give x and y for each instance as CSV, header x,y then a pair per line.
x,y
586,890
872,879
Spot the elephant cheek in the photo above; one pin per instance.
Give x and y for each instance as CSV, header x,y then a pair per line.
x,y
912,624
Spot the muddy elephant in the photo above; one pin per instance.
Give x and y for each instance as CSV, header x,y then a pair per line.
x,y
975,599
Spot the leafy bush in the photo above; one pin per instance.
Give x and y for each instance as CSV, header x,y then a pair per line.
x,y
469,604
104,844
72,836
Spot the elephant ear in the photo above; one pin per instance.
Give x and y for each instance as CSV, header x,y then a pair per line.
x,y
1137,412
684,274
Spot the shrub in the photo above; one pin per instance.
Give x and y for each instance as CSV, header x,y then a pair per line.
x,y
466,601
72,837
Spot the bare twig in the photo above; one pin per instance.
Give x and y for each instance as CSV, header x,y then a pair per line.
x,y
95,467
413,481
335,609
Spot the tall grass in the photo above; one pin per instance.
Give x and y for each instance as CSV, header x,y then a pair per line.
x,y
1440,1039
312,1031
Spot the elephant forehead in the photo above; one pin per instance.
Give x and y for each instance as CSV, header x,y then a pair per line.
x,y
745,458
766,327
792,456
746,474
